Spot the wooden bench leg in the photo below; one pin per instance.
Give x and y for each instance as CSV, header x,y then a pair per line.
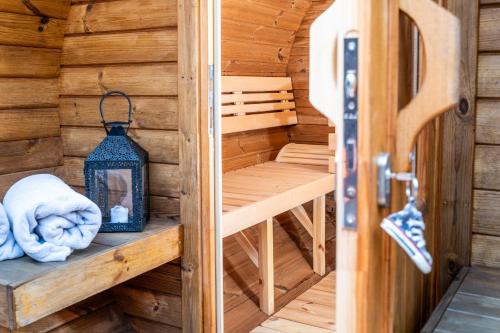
x,y
319,262
266,266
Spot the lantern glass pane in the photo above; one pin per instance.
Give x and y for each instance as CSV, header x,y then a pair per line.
x,y
114,195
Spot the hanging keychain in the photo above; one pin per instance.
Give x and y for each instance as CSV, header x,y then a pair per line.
x,y
407,227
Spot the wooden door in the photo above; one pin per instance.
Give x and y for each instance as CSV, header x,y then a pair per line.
x,y
375,290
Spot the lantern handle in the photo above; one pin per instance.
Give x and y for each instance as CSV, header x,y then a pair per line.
x,y
115,123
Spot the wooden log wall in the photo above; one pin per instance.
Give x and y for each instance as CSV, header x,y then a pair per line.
x,y
257,35
128,45
486,195
30,52
30,135
257,39
312,126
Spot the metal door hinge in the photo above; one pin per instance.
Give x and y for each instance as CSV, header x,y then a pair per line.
x,y
211,99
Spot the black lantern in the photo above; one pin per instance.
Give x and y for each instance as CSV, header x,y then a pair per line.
x,y
116,176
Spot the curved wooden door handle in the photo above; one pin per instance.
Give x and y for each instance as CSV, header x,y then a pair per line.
x,y
440,32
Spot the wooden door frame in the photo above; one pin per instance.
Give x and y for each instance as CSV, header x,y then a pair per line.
x,y
195,55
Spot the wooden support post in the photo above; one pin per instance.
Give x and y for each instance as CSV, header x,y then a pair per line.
x,y
266,266
319,235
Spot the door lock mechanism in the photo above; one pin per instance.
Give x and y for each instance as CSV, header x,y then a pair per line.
x,y
384,177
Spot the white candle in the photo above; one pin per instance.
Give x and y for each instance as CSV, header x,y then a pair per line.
x,y
119,214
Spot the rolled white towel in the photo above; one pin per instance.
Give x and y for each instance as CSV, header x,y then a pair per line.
x,y
49,219
8,246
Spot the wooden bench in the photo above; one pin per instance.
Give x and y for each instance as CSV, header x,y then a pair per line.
x,y
255,195
30,291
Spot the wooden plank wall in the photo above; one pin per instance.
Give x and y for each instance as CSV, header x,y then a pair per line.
x,y
30,136
257,39
486,203
128,45
257,35
97,314
452,227
312,127
30,51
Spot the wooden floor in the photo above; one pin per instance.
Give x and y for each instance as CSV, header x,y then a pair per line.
x,y
471,304
311,312
293,270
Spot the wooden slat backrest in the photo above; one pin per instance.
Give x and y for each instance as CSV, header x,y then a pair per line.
x,y
254,102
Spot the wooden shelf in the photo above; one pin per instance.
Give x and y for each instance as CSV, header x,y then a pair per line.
x,y
30,291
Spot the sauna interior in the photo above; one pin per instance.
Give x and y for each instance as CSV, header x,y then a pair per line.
x,y
58,56
265,47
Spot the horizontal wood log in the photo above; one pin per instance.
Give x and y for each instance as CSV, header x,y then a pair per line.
x,y
309,116
295,5
161,145
161,207
7,180
263,14
27,30
236,50
252,68
247,160
50,8
28,93
487,167
249,32
489,31
29,62
164,279
149,326
109,16
155,306
486,251
486,213
116,48
488,121
147,80
22,124
254,141
163,178
487,77
148,112
309,134
107,319
16,156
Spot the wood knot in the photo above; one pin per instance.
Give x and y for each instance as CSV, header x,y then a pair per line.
x,y
118,256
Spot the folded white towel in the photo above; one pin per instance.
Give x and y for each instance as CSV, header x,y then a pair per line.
x,y
8,246
49,219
